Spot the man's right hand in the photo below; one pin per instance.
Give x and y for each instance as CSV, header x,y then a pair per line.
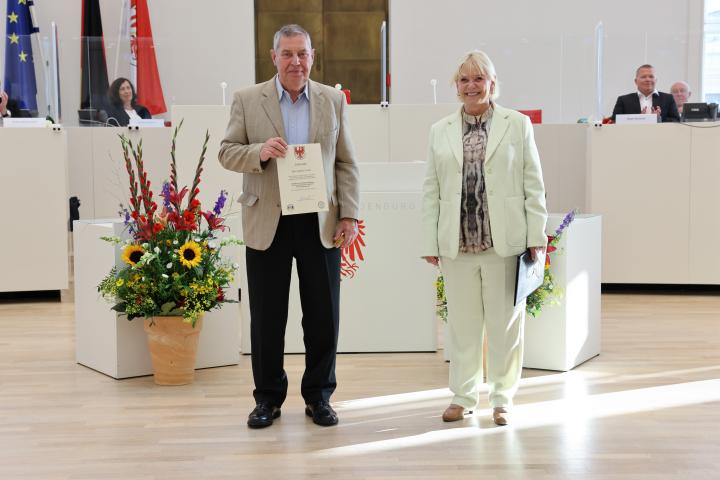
x,y
3,103
274,147
432,260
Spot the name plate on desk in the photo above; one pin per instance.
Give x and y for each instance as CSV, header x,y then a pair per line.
x,y
636,119
24,122
148,123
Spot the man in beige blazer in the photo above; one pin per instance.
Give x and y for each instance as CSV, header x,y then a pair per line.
x,y
266,118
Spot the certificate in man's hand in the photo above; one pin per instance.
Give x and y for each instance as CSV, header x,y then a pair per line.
x,y
302,180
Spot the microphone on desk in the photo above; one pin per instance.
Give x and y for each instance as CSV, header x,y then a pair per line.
x,y
223,85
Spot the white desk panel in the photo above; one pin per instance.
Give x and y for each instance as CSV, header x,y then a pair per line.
x,y
639,181
704,222
35,219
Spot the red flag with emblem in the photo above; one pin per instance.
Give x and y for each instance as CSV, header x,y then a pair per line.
x,y
147,78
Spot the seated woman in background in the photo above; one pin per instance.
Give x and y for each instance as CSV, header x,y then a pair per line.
x,y
122,106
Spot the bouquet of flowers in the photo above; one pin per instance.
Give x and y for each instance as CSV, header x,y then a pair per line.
x,y
441,309
548,293
173,261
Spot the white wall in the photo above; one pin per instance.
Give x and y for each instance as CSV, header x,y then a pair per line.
x,y
543,50
198,46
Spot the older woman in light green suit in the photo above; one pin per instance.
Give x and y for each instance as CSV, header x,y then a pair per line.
x,y
483,204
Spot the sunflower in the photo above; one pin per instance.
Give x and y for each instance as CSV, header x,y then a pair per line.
x,y
190,255
132,253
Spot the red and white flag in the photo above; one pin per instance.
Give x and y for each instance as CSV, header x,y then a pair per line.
x,y
143,64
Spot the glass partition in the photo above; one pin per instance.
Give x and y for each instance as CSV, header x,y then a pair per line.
x,y
711,52
553,75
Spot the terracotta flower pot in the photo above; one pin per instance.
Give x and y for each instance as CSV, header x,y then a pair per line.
x,y
173,349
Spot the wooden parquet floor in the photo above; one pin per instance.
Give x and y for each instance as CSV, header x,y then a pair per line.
x,y
647,408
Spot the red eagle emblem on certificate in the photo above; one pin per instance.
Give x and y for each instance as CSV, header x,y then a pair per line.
x,y
300,152
353,254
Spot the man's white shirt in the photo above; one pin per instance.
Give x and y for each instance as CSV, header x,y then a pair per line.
x,y
646,104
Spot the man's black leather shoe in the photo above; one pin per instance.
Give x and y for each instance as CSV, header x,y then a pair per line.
x,y
322,413
263,415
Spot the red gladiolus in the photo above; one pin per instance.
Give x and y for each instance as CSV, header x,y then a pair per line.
x,y
157,228
194,204
176,197
189,216
220,295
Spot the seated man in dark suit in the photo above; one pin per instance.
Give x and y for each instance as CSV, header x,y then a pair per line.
x,y
10,108
647,99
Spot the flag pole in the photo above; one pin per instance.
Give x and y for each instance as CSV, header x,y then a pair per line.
x,y
35,30
123,22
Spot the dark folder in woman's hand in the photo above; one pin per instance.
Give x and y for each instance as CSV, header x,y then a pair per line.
x,y
529,275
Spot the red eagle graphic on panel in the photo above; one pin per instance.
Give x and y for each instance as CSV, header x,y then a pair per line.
x,y
349,256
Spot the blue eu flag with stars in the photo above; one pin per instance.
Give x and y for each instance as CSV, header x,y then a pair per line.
x,y
19,81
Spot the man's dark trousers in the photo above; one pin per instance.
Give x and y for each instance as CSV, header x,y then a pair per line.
x,y
268,273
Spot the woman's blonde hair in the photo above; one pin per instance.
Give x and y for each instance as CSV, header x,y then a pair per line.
x,y
479,61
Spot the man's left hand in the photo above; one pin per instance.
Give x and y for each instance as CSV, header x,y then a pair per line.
x,y
535,252
345,232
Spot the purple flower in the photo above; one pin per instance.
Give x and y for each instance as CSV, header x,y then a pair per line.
x,y
567,220
124,214
220,203
127,220
166,194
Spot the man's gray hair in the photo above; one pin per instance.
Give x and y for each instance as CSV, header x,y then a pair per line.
x,y
290,31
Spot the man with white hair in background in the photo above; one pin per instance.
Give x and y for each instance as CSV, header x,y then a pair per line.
x,y
681,93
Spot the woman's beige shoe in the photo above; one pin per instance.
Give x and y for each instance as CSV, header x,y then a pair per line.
x,y
500,416
453,413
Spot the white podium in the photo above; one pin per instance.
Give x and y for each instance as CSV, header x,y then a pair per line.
x,y
108,342
566,335
35,219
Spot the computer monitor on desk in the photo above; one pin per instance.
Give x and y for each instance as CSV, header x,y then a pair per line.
x,y
699,112
89,117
